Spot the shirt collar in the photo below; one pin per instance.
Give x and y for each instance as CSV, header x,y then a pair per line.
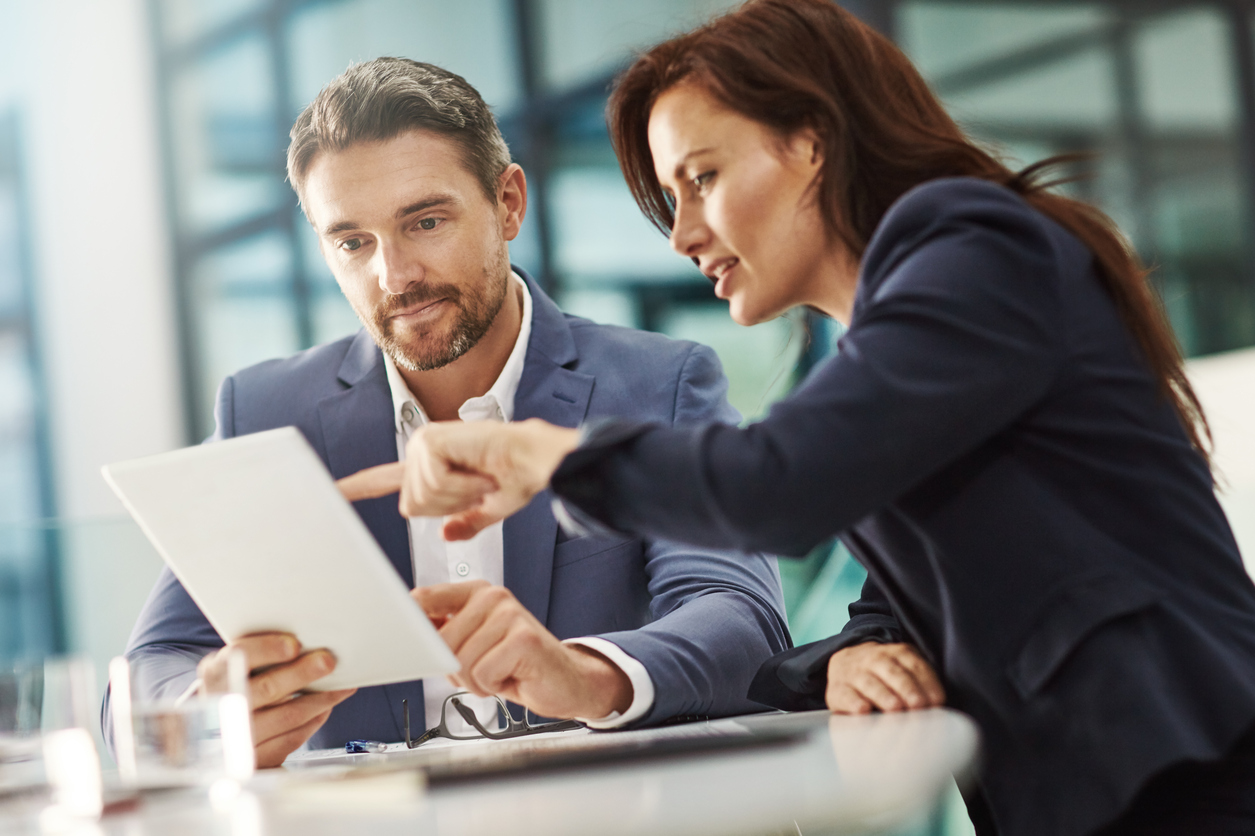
x,y
408,413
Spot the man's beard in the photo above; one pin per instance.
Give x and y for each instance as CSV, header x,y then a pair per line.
x,y
476,313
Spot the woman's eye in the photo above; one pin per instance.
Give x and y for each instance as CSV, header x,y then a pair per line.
x,y
703,180
351,244
428,223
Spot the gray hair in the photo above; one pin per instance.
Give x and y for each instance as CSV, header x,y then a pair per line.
x,y
381,99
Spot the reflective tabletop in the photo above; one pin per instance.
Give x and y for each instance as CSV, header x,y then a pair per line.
x,y
870,774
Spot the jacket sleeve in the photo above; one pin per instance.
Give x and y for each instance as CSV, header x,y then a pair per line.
x,y
171,635
796,679
957,338
716,616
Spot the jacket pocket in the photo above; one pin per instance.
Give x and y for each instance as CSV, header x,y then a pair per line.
x,y
582,548
1068,620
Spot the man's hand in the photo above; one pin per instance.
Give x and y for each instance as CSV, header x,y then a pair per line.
x,y
505,651
890,677
476,473
277,670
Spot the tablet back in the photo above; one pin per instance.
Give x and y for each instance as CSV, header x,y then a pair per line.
x,y
260,537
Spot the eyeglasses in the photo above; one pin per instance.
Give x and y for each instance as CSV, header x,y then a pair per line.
x,y
514,728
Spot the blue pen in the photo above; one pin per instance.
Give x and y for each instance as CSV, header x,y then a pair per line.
x,y
363,747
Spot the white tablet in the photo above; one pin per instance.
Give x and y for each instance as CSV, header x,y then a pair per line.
x,y
260,537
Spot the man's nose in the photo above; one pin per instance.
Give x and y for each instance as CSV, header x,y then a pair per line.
x,y
397,269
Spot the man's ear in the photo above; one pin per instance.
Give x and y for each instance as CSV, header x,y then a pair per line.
x,y
512,200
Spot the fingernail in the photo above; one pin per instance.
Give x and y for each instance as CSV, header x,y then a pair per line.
x,y
326,662
291,646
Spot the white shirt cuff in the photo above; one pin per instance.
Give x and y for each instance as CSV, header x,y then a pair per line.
x,y
642,684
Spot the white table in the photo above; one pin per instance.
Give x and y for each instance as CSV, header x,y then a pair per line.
x,y
853,775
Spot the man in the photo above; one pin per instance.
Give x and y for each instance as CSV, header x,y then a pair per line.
x,y
403,174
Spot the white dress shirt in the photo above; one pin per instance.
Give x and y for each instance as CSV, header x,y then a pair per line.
x,y
481,558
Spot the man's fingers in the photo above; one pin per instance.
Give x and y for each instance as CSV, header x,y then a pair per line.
x,y
479,607
442,600
494,628
278,720
372,482
497,671
278,683
275,750
260,650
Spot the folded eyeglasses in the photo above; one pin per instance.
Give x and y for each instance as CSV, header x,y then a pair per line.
x,y
514,728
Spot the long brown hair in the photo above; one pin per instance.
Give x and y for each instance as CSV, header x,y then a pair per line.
x,y
795,64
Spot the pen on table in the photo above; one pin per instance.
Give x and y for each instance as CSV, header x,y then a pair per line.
x,y
362,747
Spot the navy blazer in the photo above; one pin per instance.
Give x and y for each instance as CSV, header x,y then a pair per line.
x,y
991,445
701,621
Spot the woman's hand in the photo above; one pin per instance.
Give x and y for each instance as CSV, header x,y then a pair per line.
x,y
890,677
475,473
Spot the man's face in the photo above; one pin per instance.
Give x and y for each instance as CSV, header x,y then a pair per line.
x,y
418,249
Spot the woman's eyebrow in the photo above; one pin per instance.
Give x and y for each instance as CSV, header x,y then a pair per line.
x,y
679,167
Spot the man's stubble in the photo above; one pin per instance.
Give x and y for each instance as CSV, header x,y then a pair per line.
x,y
476,313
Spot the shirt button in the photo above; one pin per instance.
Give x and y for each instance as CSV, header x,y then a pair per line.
x,y
462,569
407,413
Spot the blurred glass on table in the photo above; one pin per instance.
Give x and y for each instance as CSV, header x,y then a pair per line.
x,y
197,739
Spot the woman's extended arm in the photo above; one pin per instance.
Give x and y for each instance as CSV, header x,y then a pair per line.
x,y
956,334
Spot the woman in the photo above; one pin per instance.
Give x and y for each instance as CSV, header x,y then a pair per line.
x,y
1006,439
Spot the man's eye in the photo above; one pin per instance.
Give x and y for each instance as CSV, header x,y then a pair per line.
x,y
351,244
428,223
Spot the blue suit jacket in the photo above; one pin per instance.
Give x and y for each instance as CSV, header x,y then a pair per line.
x,y
700,621
992,447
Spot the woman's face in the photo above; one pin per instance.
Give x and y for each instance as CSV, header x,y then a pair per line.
x,y
745,209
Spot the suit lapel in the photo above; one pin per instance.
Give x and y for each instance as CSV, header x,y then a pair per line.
x,y
549,389
358,426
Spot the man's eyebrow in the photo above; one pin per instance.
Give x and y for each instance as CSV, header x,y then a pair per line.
x,y
679,167
418,206
425,204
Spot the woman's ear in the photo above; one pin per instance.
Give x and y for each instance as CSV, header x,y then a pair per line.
x,y
804,146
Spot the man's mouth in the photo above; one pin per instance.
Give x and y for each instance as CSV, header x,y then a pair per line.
x,y
417,310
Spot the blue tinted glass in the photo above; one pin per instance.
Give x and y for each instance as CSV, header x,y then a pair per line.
x,y
228,148
245,311
11,248
1152,95
183,20
473,38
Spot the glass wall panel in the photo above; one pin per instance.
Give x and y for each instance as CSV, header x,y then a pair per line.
x,y
473,38
243,301
183,20
29,599
586,39
1151,91
227,148
944,38
601,237
761,360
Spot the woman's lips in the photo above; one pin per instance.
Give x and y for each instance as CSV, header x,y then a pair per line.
x,y
722,272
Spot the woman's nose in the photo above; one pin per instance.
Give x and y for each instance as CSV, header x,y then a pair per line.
x,y
689,234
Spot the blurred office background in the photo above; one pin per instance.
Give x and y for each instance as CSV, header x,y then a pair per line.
x,y
151,245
